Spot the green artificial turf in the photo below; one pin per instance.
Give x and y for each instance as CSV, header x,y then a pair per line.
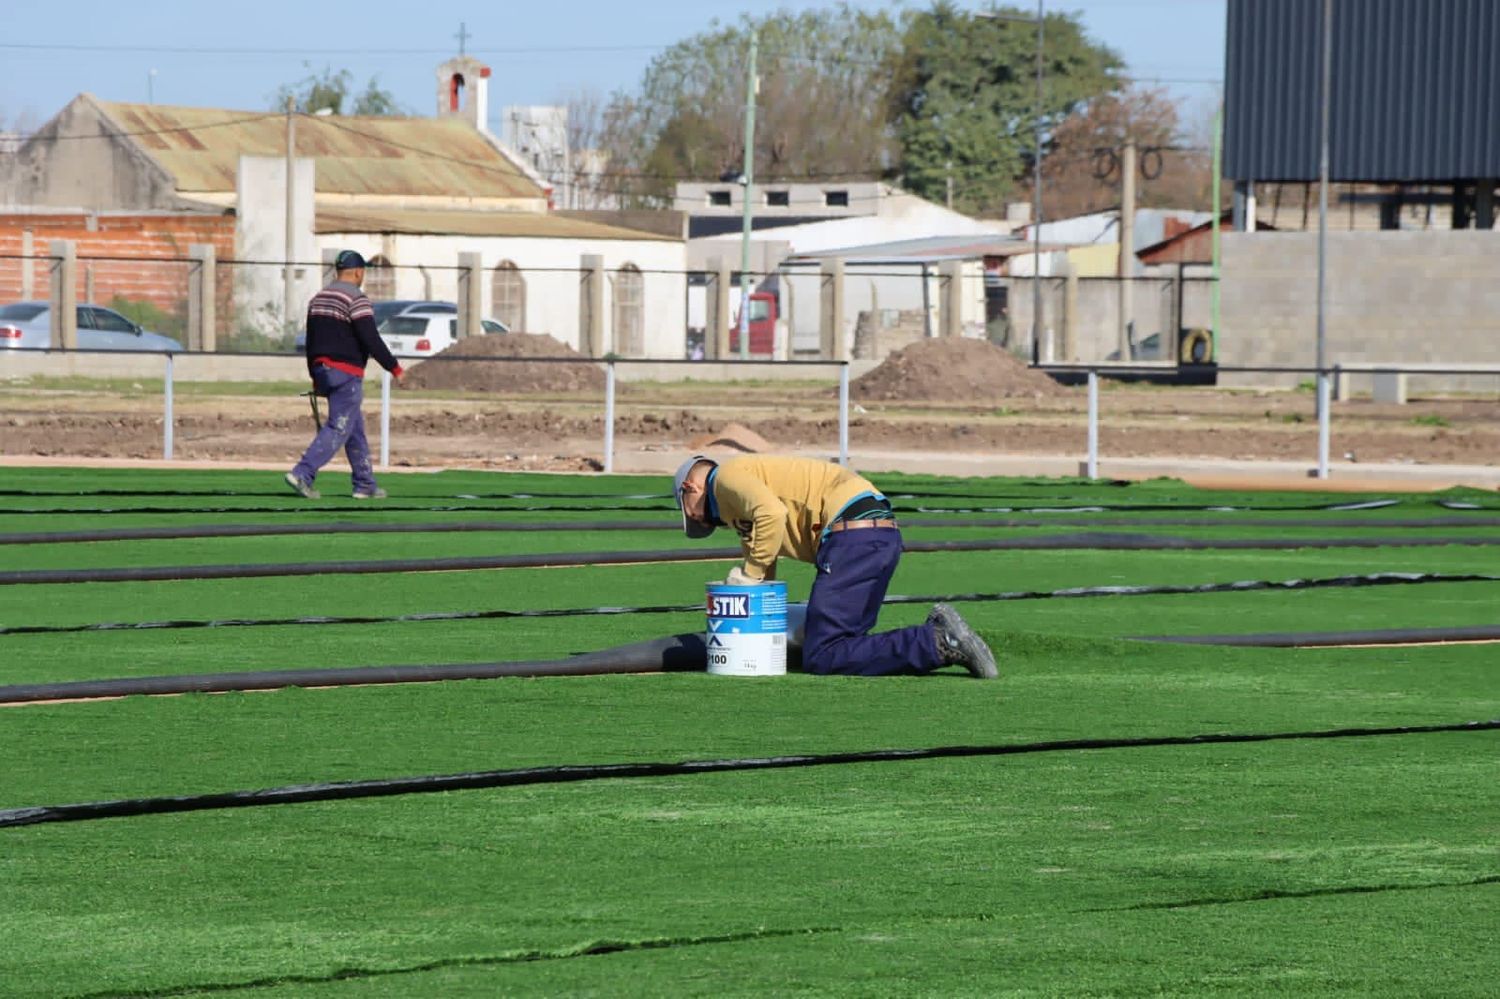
x,y
1367,866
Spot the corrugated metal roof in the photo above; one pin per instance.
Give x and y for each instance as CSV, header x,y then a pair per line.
x,y
448,157
440,223
1415,93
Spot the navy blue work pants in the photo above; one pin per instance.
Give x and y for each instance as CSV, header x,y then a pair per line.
x,y
854,570
344,429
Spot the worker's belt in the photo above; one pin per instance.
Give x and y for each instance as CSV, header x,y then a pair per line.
x,y
850,525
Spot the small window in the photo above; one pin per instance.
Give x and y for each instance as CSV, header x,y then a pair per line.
x,y
104,319
836,199
21,312
760,310
778,199
405,325
718,199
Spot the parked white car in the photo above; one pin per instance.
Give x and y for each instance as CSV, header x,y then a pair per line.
x,y
424,333
29,324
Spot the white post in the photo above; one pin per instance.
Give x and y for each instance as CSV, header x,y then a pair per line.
x,y
1093,460
166,430
844,414
1324,418
609,416
385,419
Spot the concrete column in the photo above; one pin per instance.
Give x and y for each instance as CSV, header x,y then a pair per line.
x,y
591,304
716,312
1126,263
470,294
330,254
1484,203
831,343
64,293
1242,214
1069,349
28,267
950,302
201,317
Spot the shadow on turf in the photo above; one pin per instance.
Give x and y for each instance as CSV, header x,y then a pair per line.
x,y
517,957
1272,894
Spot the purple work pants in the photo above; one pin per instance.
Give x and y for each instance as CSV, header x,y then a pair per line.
x,y
854,570
344,428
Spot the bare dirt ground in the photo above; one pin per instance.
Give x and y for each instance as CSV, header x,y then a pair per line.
x,y
939,397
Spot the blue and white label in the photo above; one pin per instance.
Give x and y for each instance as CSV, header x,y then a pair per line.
x,y
747,629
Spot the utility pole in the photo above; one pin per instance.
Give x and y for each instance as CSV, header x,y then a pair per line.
x,y
1127,246
1036,197
1322,379
752,89
1323,184
289,317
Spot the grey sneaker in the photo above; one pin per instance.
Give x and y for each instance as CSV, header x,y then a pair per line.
x,y
958,643
375,493
303,489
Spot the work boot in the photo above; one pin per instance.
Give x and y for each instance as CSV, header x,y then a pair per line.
x,y
303,489
374,492
958,643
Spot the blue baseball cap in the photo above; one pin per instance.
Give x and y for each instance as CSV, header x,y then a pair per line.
x,y
348,260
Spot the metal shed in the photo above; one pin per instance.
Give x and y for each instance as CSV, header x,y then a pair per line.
x,y
1414,97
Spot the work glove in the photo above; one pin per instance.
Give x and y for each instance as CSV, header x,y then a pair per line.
x,y
739,577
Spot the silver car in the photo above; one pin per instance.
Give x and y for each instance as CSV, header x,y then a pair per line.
x,y
29,324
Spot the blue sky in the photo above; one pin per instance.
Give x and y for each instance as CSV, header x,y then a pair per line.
x,y
540,53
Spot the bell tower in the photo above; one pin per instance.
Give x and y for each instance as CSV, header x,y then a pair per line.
x,y
463,90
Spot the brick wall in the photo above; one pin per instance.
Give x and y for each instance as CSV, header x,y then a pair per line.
x,y
149,255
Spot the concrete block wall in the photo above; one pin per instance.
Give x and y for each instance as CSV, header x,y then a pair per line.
x,y
1428,297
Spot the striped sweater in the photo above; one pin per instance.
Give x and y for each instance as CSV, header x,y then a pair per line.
x,y
341,331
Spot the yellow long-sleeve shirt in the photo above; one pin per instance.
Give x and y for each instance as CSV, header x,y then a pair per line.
x,y
780,506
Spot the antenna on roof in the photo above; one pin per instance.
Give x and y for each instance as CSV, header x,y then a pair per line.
x,y
462,36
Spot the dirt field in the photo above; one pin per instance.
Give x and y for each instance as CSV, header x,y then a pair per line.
x,y
564,431
960,397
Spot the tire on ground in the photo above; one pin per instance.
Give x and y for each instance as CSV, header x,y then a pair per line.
x,y
1196,347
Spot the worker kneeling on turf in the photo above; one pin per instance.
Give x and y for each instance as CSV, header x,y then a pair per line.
x,y
823,513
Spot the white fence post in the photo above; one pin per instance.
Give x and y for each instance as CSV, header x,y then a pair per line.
x,y
1324,418
609,416
844,414
1093,459
385,419
167,418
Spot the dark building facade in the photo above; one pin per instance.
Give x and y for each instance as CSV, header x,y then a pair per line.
x,y
1414,99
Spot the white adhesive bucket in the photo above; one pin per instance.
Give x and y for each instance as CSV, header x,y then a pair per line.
x,y
747,629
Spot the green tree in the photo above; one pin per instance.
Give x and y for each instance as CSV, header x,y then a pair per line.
x,y
814,114
964,93
331,90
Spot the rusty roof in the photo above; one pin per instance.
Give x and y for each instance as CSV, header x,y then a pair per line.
x,y
423,222
448,157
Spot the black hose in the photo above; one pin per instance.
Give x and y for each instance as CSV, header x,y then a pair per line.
x,y
346,790
346,527
1315,639
1075,592
1057,542
676,653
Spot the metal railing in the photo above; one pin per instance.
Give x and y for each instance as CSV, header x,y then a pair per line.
x,y
168,392
1324,393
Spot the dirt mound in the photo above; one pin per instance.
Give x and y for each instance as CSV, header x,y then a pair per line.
x,y
733,435
511,376
956,370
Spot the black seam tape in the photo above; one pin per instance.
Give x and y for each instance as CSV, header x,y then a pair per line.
x,y
345,790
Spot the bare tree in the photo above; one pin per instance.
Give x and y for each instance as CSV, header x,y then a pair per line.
x,y
1081,173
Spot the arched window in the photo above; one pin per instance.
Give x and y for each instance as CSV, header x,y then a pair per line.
x,y
630,311
508,296
380,279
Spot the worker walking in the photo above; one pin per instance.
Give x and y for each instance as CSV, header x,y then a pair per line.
x,y
822,513
341,339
